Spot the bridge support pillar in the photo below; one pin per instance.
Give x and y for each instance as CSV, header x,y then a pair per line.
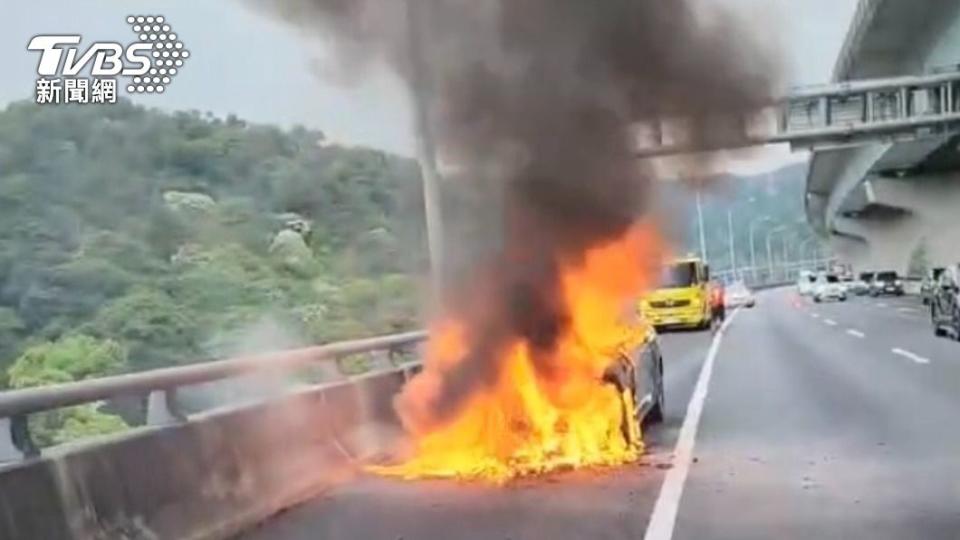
x,y
933,202
877,243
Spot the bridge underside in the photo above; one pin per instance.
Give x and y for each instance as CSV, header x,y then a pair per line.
x,y
882,205
889,221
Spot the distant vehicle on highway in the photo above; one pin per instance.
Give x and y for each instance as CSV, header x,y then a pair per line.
x,y
861,285
829,287
928,287
886,284
806,283
739,295
945,303
683,298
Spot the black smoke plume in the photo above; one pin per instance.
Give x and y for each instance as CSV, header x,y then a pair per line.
x,y
533,101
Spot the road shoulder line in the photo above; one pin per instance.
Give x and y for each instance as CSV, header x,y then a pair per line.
x,y
664,516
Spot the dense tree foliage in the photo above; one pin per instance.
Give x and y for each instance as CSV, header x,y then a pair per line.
x,y
166,234
66,360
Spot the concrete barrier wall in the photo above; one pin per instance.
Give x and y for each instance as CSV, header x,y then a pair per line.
x,y
204,479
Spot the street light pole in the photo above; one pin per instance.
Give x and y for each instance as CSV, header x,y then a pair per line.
x,y
733,247
753,247
703,240
770,249
803,249
786,259
426,148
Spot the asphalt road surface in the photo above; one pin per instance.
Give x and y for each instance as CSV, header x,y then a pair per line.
x,y
820,421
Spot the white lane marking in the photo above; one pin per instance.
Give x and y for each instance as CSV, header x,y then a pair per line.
x,y
907,310
829,322
907,354
881,305
856,333
815,315
664,516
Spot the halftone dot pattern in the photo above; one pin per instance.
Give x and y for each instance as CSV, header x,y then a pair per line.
x,y
166,51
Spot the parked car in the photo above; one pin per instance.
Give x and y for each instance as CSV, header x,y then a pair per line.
x,y
739,295
829,287
928,288
887,284
945,303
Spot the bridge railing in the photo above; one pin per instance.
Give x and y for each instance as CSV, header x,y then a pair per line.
x,y
819,117
161,385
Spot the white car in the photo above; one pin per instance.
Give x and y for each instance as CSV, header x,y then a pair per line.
x,y
829,287
737,295
806,284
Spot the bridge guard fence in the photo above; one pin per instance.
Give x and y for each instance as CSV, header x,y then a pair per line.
x,y
208,475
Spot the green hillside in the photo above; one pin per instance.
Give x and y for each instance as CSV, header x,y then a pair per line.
x,y
169,235
748,199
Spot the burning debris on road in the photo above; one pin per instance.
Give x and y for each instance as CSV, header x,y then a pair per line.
x,y
534,100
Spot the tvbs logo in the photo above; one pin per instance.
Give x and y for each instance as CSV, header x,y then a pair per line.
x,y
147,65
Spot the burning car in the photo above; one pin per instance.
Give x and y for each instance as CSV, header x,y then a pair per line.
x,y
527,405
639,372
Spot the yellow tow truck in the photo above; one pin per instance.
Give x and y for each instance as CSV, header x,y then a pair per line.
x,y
683,297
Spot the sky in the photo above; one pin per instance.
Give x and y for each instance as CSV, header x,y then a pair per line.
x,y
263,71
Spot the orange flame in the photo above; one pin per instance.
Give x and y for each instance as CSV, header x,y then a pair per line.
x,y
529,423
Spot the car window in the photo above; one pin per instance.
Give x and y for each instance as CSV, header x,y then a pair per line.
x,y
833,279
887,276
679,275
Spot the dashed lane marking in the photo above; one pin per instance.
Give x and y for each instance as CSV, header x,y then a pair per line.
x,y
664,517
912,356
856,333
815,315
829,322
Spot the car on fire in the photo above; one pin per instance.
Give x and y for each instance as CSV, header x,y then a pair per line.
x,y
639,372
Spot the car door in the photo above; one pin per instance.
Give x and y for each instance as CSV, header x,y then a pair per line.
x,y
647,375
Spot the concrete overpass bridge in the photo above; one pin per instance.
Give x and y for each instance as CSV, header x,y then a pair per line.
x,y
879,202
884,134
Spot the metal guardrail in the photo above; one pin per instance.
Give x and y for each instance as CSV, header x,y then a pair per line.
x,y
17,405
